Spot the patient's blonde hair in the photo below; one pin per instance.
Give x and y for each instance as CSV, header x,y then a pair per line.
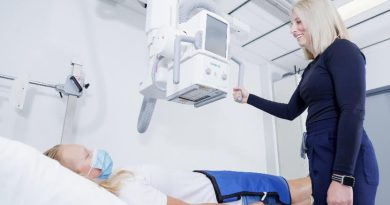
x,y
112,184
322,21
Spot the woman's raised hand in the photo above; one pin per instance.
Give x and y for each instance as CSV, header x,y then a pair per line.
x,y
240,95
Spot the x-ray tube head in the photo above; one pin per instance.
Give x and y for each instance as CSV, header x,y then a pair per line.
x,y
188,55
204,72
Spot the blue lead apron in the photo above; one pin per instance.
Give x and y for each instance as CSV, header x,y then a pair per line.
x,y
231,186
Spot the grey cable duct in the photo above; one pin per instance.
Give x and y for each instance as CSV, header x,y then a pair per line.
x,y
148,104
145,115
187,7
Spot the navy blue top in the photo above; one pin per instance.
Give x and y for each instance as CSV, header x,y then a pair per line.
x,y
333,85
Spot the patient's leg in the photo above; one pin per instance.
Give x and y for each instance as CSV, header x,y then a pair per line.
x,y
306,202
300,190
257,203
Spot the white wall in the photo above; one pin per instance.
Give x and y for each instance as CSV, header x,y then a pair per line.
x,y
41,38
268,72
377,67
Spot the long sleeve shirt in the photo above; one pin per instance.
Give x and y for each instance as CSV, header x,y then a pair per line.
x,y
332,86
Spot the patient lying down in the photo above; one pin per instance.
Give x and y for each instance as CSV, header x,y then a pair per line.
x,y
150,185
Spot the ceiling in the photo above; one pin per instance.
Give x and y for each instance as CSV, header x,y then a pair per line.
x,y
269,37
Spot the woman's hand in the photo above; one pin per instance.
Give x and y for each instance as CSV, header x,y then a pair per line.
x,y
339,194
240,95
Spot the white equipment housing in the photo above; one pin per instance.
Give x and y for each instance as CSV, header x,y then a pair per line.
x,y
204,72
188,55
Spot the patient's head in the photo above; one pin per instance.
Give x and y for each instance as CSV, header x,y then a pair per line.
x,y
76,158
84,162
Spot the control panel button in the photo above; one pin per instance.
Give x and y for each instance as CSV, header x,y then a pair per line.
x,y
224,76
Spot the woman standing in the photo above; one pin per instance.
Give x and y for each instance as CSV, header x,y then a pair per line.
x,y
342,162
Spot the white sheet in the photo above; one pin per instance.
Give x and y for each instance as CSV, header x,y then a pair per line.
x,y
28,177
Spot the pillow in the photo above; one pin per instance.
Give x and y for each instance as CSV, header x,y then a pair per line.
x,y
29,177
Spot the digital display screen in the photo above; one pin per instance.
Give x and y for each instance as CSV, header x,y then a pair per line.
x,y
216,36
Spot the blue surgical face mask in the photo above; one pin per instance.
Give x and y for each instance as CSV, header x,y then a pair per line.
x,y
101,160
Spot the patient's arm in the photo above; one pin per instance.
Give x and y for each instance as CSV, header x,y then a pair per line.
x,y
174,201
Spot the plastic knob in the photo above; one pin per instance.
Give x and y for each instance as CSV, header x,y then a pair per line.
x,y
208,71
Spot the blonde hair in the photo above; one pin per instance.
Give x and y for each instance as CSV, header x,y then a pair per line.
x,y
322,21
113,184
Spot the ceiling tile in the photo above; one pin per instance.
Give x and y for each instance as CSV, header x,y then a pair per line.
x,y
371,32
283,38
339,3
367,14
253,16
264,47
228,5
264,14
